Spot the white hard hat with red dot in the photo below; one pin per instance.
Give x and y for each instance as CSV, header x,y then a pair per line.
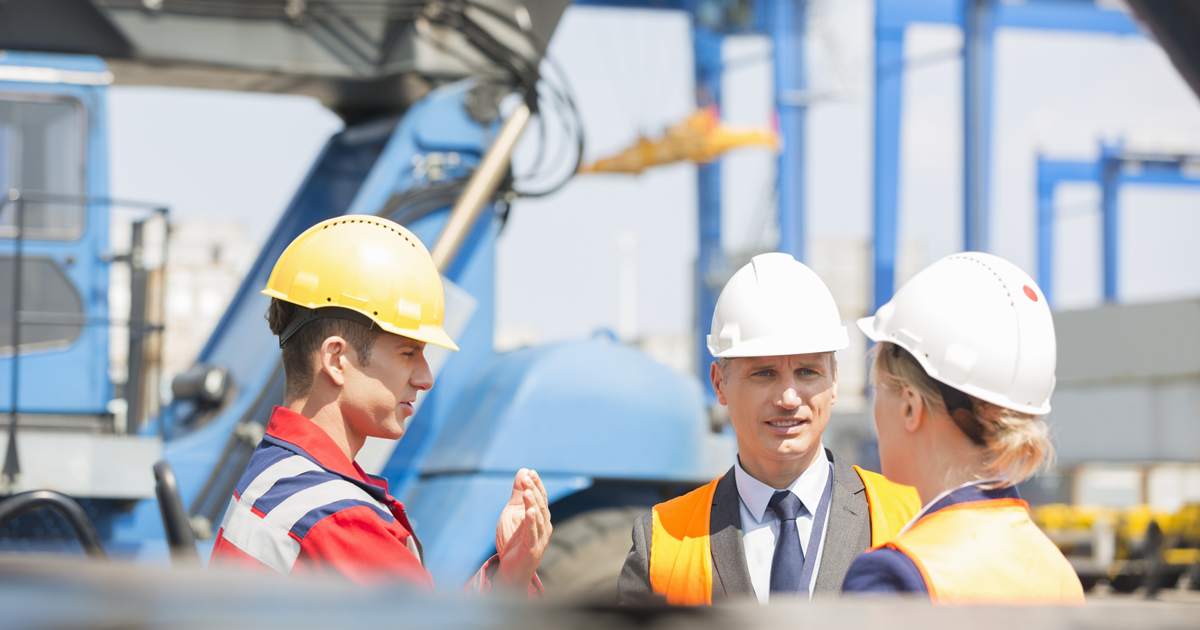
x,y
979,324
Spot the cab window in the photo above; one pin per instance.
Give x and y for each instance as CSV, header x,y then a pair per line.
x,y
51,308
42,151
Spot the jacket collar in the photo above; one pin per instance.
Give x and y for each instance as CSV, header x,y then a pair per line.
x,y
294,432
967,493
972,492
847,534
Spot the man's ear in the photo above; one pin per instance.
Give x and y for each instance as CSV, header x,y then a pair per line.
x,y
332,355
914,410
718,382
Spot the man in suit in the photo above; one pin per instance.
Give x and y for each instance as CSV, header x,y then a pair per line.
x,y
790,516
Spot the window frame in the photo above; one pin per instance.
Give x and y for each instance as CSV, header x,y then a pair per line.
x,y
9,232
7,351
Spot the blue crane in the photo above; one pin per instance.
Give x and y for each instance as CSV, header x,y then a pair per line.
x,y
979,19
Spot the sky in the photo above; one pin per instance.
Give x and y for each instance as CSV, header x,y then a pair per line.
x,y
229,156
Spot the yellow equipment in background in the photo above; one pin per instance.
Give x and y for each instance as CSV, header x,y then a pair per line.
x,y
700,138
1131,548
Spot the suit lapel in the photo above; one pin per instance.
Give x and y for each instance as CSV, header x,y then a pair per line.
x,y
731,578
849,530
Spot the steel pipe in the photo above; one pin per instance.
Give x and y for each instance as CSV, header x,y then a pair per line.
x,y
480,188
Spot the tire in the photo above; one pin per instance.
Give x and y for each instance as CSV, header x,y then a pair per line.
x,y
1125,583
586,553
1088,582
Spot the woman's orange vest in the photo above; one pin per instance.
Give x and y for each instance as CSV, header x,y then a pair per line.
x,y
988,552
680,556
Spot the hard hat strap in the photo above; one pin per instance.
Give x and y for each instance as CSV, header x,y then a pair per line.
x,y
962,412
306,315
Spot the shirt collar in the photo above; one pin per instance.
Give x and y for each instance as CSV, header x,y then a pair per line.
x,y
966,493
808,487
299,434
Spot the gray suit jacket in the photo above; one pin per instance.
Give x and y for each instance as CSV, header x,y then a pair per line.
x,y
847,535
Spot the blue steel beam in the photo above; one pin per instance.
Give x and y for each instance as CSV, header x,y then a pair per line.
x,y
1111,171
892,17
978,37
1051,173
786,22
889,83
711,263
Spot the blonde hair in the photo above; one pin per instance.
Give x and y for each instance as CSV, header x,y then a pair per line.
x,y
1017,444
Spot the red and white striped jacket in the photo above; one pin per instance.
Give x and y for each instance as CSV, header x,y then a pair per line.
x,y
302,508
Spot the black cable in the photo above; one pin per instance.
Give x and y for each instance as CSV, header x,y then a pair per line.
x,y
572,125
454,15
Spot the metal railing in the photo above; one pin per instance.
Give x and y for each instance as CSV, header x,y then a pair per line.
x,y
66,507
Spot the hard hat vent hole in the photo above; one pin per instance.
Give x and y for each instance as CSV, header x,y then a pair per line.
x,y
328,299
376,312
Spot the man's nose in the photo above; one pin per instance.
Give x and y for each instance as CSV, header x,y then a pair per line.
x,y
789,399
422,377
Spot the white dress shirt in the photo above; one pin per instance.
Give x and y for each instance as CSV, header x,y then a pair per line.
x,y
760,525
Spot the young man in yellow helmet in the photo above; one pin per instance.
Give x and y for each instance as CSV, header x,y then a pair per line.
x,y
789,517
354,302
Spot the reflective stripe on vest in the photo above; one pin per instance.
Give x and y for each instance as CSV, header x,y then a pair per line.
x,y
680,555
988,552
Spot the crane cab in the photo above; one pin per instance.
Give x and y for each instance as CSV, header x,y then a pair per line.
x,y
64,392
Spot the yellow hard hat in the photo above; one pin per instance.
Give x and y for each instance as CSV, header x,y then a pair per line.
x,y
365,269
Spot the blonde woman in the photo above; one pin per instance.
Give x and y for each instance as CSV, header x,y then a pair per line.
x,y
963,373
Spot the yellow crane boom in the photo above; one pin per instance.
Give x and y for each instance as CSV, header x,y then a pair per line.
x,y
699,138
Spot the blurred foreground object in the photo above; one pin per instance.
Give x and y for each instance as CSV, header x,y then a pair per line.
x,y
701,138
1174,25
74,595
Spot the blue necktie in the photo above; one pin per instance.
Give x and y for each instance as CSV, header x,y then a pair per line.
x,y
788,562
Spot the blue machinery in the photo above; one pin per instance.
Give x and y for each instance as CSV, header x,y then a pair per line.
x,y
1113,169
568,410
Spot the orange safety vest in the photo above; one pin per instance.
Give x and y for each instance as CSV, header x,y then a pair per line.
x,y
680,556
988,552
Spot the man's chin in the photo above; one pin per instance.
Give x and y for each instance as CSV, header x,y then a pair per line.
x,y
798,446
391,431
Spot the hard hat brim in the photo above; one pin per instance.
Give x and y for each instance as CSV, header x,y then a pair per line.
x,y
775,347
867,326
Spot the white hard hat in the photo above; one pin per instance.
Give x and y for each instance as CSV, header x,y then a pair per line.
x,y
775,306
979,324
